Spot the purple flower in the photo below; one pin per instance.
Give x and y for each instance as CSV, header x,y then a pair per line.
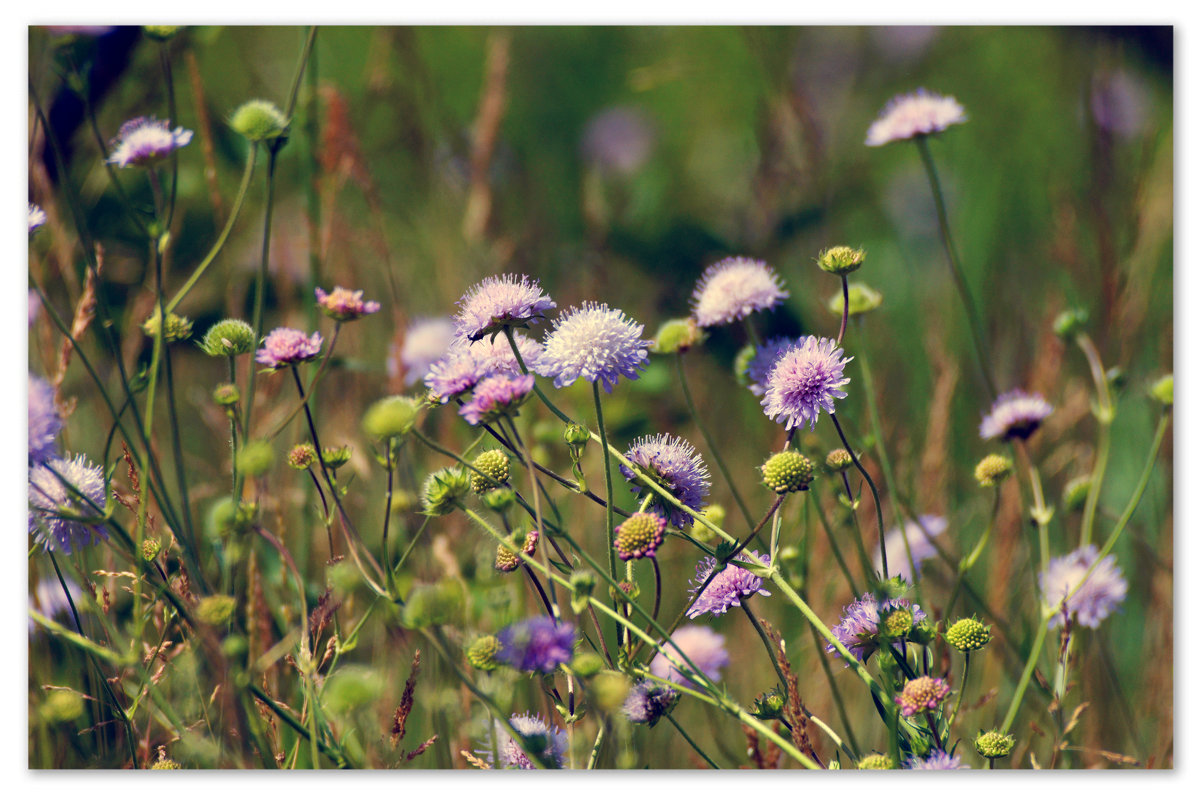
x,y
921,694
285,346
673,464
594,342
48,493
467,363
345,305
765,356
805,379
1015,415
35,306
500,301
51,601
920,546
1104,590
537,735
44,421
648,701
859,627
701,645
37,217
910,115
733,289
496,396
537,644
618,140
727,588
937,761
425,343
144,140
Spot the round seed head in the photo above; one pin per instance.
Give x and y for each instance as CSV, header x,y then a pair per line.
x,y
992,470
968,635
993,744
482,653
787,471
494,465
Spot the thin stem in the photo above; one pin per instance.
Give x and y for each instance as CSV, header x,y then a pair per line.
x,y
871,485
845,309
1030,663
691,743
608,484
962,690
837,551
592,758
758,628
260,283
1104,415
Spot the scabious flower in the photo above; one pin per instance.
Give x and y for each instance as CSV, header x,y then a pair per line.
x,y
921,694
920,547
733,289
673,464
804,380
500,301
49,599
701,645
639,536
345,305
907,116
35,306
547,740
1104,590
937,761
537,644
44,421
617,140
285,346
858,630
496,396
647,701
467,363
594,342
727,588
763,361
37,217
47,493
426,341
144,140
1015,415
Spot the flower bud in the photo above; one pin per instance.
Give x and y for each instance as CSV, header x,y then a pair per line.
x,y
226,395
768,705
863,298
499,499
162,33
215,610
494,467
608,689
227,338
1070,323
968,635
741,364
677,335
993,744
179,328
403,501
838,460
302,456
482,653
150,548
62,705
336,457
897,623
841,260
992,470
437,603
639,536
1075,492
164,763
256,458
391,417
787,471
876,762
1164,390
587,664
259,120
443,490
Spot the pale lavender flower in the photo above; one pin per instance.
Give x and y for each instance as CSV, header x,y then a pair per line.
x,y
47,493
345,305
35,306
538,736
37,217
728,587
500,301
285,346
733,289
858,629
44,421
765,356
618,140
1015,415
673,464
921,694
648,701
805,379
920,547
910,115
936,761
1120,103
594,342
701,645
537,644
466,363
495,396
426,341
1104,590
49,599
145,140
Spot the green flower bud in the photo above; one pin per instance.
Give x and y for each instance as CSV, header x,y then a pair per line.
x,y
587,664
499,499
1164,390
1075,492
787,471
1070,323
507,559
838,460
898,623
841,260
62,706
715,513
677,335
876,762
302,456
227,338
482,653
336,457
437,603
403,501
215,610
256,458
768,705
259,120
994,744
968,635
391,417
608,689
923,632
444,490
629,588
576,437
235,646
992,470
150,548
226,395
583,583
863,298
164,763
741,363
161,33
351,687
494,467
179,328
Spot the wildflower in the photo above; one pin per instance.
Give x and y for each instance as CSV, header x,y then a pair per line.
x,y
727,588
677,335
48,492
1015,415
144,140
841,260
617,140
44,421
701,646
639,536
804,380
905,561
443,490
921,694
876,762
35,306
863,299
594,342
391,417
493,464
51,601
467,363
858,629
336,457
537,644
507,560
259,120
910,115
968,635
256,458
648,701
787,471
1070,323
538,736
37,217
838,460
733,289
673,464
1104,590
426,341
285,346
496,396
1075,492
759,367
994,744
1163,390
498,302
179,328
936,761
227,338
498,499
345,305
992,470
482,653
769,705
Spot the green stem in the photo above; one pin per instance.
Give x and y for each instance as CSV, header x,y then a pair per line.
x,y
962,690
871,485
1030,663
691,743
762,634
1104,415
837,551
260,284
608,484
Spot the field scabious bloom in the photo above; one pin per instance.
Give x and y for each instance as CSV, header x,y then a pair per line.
x,y
921,694
647,701
496,396
47,493
701,645
727,588
594,342
537,644
285,346
639,536
498,302
763,361
673,464
426,341
1104,590
1015,414
37,217
920,547
44,421
733,289
467,363
345,305
936,761
549,741
907,116
858,629
144,140
804,380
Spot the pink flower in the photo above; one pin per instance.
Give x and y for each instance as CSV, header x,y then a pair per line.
x,y
345,305
285,346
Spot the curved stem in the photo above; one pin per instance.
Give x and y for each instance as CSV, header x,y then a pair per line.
x,y
608,484
874,491
1104,415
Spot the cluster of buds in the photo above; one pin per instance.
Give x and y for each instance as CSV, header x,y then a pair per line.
x,y
507,559
787,471
490,472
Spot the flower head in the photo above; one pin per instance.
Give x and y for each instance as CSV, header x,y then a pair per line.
x,y
285,346
936,761
49,599
701,645
726,590
733,289
500,301
145,140
44,421
805,379
993,744
1015,415
617,140
467,363
594,342
538,736
1098,597
640,535
227,338
48,492
921,694
905,560
763,361
37,217
537,644
345,305
858,630
673,464
647,701
907,116
496,396
426,341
